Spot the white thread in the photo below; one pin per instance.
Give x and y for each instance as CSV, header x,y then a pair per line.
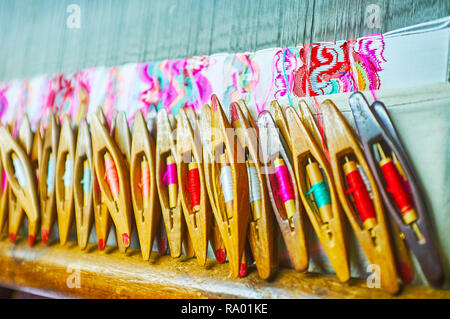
x,y
19,172
51,175
253,183
227,183
67,177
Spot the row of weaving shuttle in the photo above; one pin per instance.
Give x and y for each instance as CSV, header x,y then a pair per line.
x,y
287,172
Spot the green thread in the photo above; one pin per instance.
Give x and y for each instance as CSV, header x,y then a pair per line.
x,y
320,193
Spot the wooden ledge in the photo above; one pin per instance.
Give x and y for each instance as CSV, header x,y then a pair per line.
x,y
50,270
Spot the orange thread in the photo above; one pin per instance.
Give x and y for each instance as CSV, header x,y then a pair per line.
x,y
111,175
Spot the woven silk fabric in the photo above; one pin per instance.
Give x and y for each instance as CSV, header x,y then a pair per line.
x,y
257,78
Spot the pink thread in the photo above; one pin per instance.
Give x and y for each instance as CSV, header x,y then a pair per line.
x,y
171,174
286,189
4,181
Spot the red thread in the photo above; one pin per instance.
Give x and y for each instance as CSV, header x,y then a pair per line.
x,y
45,234
12,237
31,240
111,175
361,197
396,187
126,239
101,244
220,255
286,189
243,270
194,186
406,273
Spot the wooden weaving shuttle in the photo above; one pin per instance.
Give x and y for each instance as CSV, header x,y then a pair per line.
x,y
83,176
215,238
15,217
21,179
229,170
193,195
15,212
102,216
318,193
289,213
64,179
112,176
405,267
402,255
261,227
121,134
143,185
372,230
409,212
167,183
161,234
47,170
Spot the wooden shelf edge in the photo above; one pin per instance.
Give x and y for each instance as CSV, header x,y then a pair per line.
x,y
52,270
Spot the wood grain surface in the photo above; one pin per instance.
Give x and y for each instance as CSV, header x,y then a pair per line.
x,y
46,271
